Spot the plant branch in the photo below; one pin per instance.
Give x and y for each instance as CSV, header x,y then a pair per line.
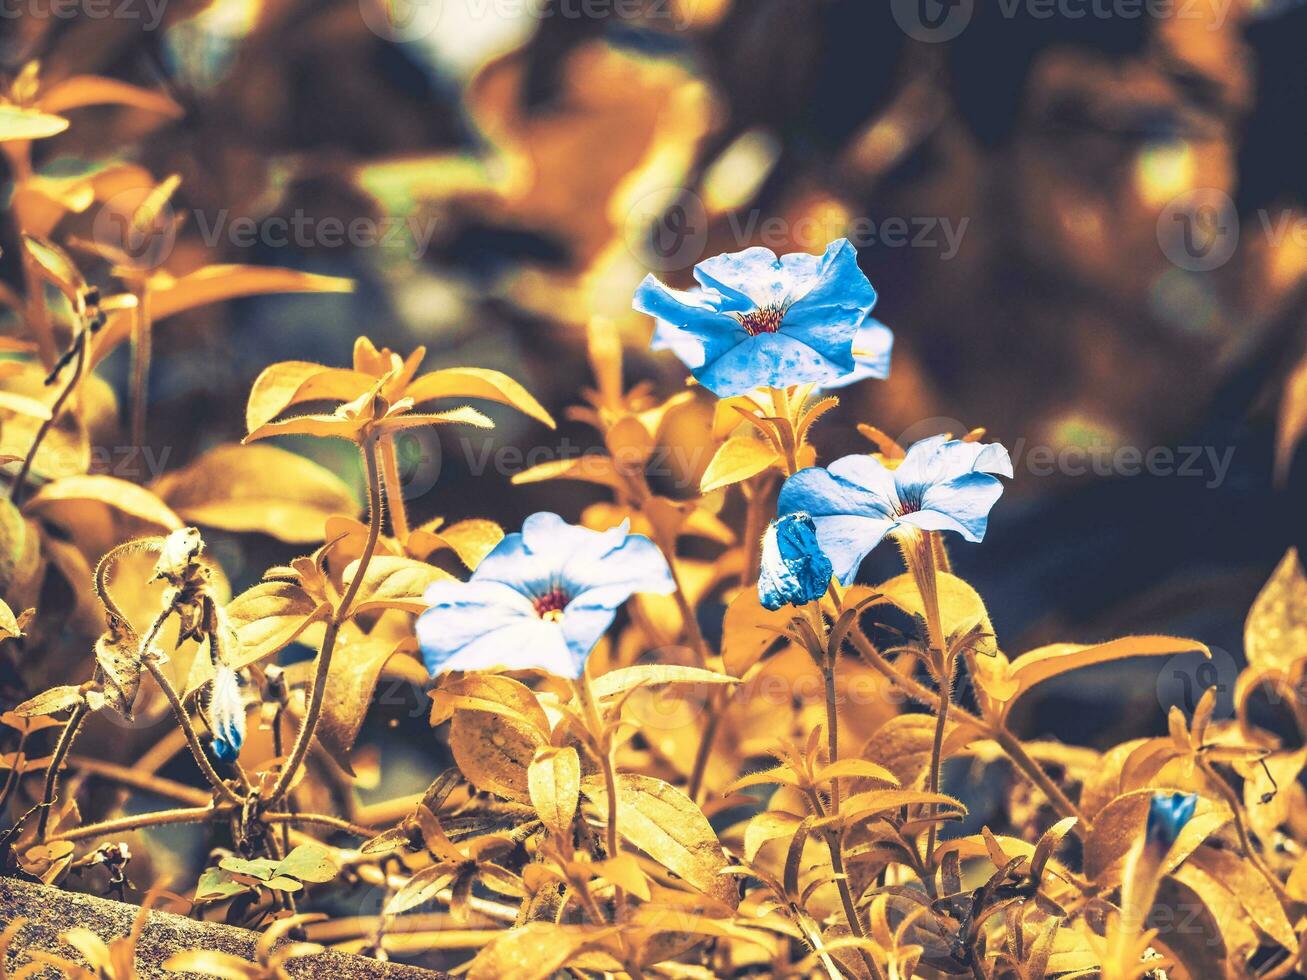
x,y
307,728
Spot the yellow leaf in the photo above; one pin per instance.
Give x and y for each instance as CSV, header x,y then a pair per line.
x,y
351,681
50,702
391,582
28,124
665,824
624,679
287,383
471,540
749,630
554,781
258,488
865,806
477,383
215,284
1119,825
127,498
1275,632
738,458
589,468
1037,666
494,753
1253,891
266,618
8,622
85,90
624,871
533,952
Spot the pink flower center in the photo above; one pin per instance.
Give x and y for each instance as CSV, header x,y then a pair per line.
x,y
764,320
550,606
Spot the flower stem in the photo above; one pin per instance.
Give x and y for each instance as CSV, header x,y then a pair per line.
x,y
920,554
20,482
603,752
394,488
305,736
61,749
142,352
139,821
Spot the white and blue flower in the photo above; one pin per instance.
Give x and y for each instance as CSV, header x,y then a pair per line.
x,y
758,321
793,570
227,714
940,485
541,599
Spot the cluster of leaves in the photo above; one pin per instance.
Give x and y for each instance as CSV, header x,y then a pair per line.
x,y
768,804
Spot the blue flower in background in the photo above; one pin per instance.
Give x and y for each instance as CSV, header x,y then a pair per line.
x,y
541,599
227,714
793,569
759,321
1167,815
941,485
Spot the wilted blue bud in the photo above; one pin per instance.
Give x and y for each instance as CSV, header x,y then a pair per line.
x,y
1167,815
227,714
793,568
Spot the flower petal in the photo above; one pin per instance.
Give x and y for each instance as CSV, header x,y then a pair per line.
x,y
464,613
769,360
694,312
746,280
962,504
851,517
840,299
527,644
872,345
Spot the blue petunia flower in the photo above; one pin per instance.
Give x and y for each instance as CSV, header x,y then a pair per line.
x,y
1167,815
941,485
793,570
541,599
227,714
758,321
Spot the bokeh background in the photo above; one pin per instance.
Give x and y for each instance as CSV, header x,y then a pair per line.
x,y
1085,221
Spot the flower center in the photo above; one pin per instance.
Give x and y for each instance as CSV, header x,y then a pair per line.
x,y
766,319
550,606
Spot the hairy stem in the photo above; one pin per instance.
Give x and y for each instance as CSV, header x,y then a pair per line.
x,y
305,736
394,487
604,756
139,821
61,749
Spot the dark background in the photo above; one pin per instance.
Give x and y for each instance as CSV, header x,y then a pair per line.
x,y
539,144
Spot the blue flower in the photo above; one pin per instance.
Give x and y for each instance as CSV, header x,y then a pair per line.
x,y
1167,815
793,569
758,321
541,599
941,485
227,714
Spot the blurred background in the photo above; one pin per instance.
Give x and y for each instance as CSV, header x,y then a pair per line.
x,y
1085,220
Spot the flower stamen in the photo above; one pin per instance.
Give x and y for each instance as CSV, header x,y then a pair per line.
x,y
550,606
765,319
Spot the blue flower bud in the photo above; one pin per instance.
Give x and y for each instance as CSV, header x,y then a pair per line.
x,y
227,714
793,568
1167,815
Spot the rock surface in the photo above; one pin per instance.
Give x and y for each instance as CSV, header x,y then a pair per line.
x,y
51,911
